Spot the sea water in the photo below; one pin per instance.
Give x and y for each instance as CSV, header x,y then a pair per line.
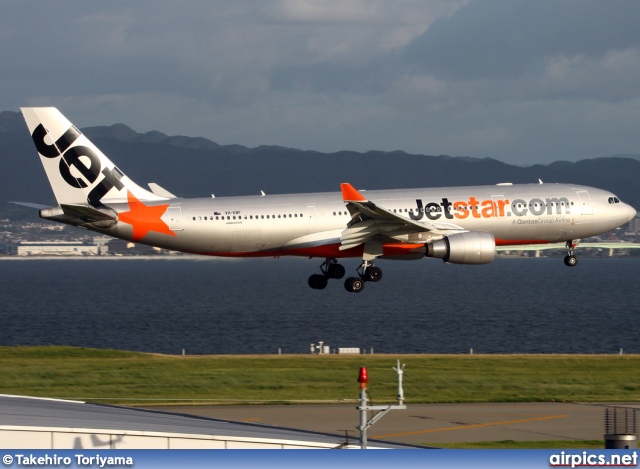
x,y
230,306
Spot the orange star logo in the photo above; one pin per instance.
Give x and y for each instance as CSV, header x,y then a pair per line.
x,y
144,218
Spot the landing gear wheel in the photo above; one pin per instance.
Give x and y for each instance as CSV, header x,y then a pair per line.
x,y
317,281
571,260
373,274
354,284
335,271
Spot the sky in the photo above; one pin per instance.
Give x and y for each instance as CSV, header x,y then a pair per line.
x,y
523,82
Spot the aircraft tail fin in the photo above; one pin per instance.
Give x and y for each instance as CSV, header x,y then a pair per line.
x,y
79,173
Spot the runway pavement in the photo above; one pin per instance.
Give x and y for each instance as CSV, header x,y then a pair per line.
x,y
429,423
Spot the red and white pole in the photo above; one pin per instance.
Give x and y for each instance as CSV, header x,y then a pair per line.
x,y
363,379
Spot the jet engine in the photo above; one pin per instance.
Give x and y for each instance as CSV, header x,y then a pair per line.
x,y
470,247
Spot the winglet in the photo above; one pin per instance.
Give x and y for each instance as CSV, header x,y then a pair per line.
x,y
350,194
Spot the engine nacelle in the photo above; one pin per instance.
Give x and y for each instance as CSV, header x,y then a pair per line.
x,y
470,247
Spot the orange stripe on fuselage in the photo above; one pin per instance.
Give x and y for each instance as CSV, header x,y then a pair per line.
x,y
329,250
333,250
521,242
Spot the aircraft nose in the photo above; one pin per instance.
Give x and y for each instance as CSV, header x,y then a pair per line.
x,y
631,212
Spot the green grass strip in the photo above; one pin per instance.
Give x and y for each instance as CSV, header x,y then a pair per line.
x,y
131,377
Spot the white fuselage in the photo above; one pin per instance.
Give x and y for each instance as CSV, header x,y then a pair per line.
x,y
459,225
311,224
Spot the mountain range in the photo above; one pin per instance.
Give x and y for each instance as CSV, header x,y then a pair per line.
x,y
197,167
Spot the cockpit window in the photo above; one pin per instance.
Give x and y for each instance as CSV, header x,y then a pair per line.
x,y
614,200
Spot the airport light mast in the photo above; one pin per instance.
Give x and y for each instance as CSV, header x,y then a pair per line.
x,y
363,379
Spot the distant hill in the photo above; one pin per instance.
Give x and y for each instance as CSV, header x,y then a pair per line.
x,y
191,167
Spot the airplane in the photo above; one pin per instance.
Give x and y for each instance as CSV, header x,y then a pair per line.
x,y
460,225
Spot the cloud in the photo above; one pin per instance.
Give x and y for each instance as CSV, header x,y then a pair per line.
x,y
494,39
515,80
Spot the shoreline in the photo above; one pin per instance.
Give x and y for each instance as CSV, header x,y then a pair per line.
x,y
142,257
107,351
199,257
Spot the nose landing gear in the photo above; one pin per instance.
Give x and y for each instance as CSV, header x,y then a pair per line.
x,y
571,259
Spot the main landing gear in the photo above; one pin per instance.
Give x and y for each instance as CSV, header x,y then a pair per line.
x,y
367,272
330,269
570,259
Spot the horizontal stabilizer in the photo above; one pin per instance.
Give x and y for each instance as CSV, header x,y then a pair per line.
x,y
161,191
30,205
80,215
88,214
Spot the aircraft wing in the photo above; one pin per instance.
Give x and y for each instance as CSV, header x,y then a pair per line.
x,y
369,220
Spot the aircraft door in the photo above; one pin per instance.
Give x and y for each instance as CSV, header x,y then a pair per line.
x,y
498,206
313,220
585,202
500,226
174,213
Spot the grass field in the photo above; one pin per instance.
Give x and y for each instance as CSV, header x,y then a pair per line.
x,y
130,377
